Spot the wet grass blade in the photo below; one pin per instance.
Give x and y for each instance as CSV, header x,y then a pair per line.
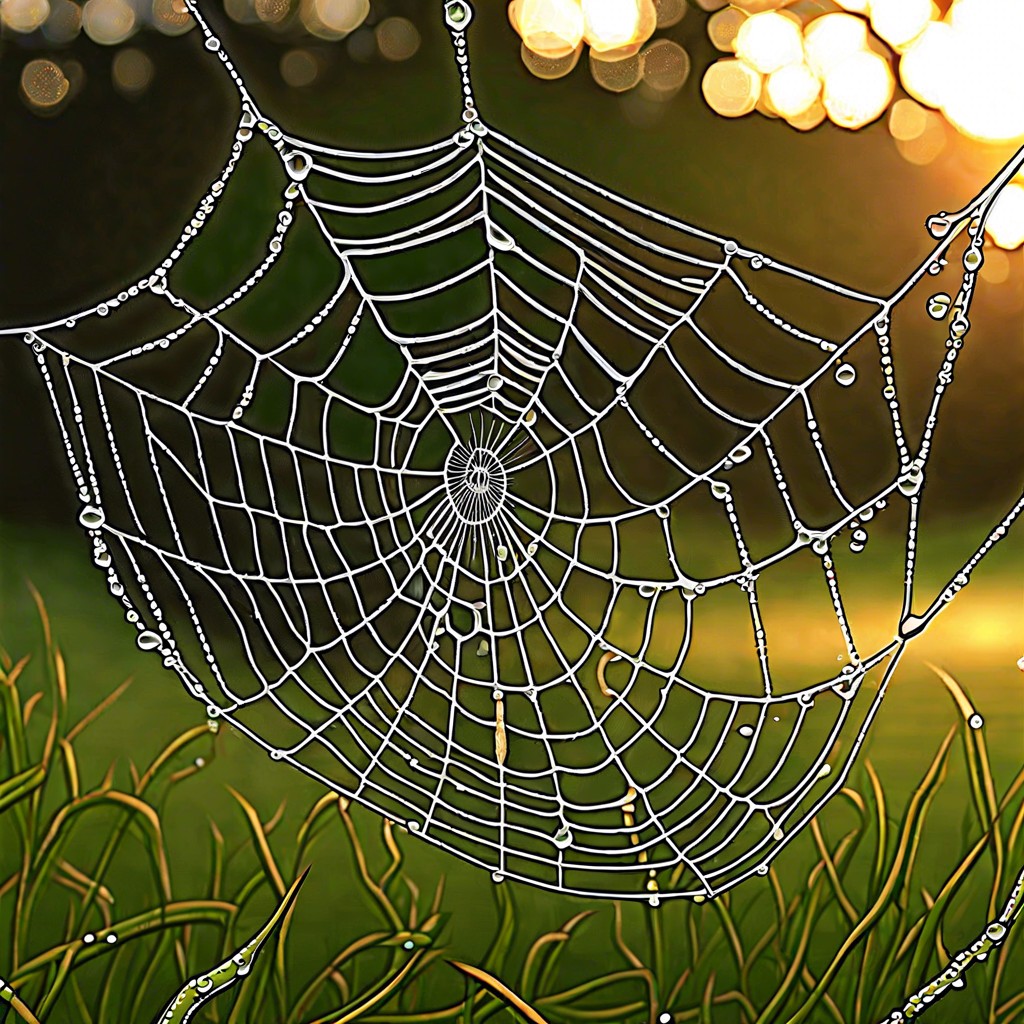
x,y
204,987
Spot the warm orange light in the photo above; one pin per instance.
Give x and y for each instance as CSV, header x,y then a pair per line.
x,y
927,65
551,28
731,87
832,38
793,89
769,41
986,92
858,90
618,27
898,22
855,6
23,15
1005,224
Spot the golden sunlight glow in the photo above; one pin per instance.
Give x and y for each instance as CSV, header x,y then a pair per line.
x,y
769,41
927,64
731,87
907,120
900,21
618,26
855,6
858,90
1005,224
793,89
986,94
808,119
551,28
832,38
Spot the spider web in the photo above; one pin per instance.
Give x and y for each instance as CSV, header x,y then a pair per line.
x,y
451,547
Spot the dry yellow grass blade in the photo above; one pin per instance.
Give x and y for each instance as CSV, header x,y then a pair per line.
x,y
501,990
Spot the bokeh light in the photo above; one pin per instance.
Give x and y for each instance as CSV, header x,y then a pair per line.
x,y
24,15
724,26
898,22
792,89
299,68
669,12
272,12
131,71
171,17
398,39
666,66
618,27
768,41
831,39
731,87
926,67
858,90
43,85
1005,223
341,16
551,28
616,75
550,68
108,22
63,23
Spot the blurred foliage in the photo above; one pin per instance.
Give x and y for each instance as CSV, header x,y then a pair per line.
x,y
94,930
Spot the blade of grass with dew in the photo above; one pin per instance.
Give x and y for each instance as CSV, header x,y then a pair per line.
x,y
953,975
204,987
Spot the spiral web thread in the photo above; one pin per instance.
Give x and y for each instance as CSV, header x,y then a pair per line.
x,y
455,579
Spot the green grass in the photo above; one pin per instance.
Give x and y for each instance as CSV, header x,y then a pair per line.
x,y
853,921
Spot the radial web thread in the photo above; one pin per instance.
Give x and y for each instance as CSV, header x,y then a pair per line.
x,y
449,546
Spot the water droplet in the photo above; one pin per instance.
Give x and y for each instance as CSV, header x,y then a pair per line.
x,y
458,14
483,649
825,769
88,938
647,590
995,931
111,938
820,546
719,490
212,44
530,418
499,237
938,306
746,731
662,511
298,165
939,225
740,453
973,259
778,834
148,640
102,558
91,517
910,483
563,837
494,381
502,552
975,721
497,877
845,375
1020,663
204,983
